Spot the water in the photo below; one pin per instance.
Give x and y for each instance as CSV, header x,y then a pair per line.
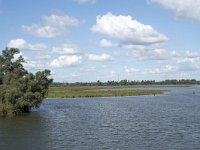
x,y
168,121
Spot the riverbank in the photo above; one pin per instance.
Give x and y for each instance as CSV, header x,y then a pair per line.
x,y
101,91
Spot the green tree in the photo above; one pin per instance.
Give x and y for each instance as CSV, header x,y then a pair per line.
x,y
19,90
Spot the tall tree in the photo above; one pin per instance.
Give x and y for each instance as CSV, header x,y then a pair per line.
x,y
20,90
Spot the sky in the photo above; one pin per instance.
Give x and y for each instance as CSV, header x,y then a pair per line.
x,y
90,40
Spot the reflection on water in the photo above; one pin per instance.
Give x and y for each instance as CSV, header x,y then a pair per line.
x,y
169,121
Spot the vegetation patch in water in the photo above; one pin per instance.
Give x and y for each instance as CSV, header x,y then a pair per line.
x,y
95,91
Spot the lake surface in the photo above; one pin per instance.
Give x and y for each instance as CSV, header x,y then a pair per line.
x,y
168,121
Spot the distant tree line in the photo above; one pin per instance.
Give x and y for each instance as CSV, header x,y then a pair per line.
x,y
128,82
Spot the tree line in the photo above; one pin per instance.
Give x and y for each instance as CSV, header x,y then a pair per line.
x,y
129,82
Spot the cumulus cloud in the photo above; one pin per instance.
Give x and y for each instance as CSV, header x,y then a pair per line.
x,y
106,43
66,61
142,40
65,49
127,30
23,44
85,1
53,26
102,57
189,9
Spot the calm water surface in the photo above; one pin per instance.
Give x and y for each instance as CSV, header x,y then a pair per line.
x,y
168,121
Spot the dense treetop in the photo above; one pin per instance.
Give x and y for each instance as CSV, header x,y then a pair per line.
x,y
20,90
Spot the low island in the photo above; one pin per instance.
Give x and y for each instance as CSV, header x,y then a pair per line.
x,y
99,91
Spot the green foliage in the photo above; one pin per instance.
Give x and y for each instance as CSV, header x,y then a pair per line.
x,y
19,90
5,109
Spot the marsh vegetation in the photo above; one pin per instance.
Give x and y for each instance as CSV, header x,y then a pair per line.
x,y
100,91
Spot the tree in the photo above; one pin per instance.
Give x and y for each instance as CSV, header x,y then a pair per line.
x,y
19,90
98,83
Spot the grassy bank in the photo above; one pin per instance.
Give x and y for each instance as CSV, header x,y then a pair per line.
x,y
99,91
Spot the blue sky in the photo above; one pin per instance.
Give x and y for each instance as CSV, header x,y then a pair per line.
x,y
90,40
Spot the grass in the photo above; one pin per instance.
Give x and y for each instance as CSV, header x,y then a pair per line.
x,y
99,91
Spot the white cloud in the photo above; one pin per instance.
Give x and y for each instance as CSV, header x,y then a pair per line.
x,y
34,64
102,57
130,70
30,63
16,56
23,44
18,43
57,20
65,49
143,40
66,61
43,31
127,30
106,43
189,9
53,26
85,1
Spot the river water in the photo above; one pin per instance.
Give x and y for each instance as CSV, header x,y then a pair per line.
x,y
165,122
